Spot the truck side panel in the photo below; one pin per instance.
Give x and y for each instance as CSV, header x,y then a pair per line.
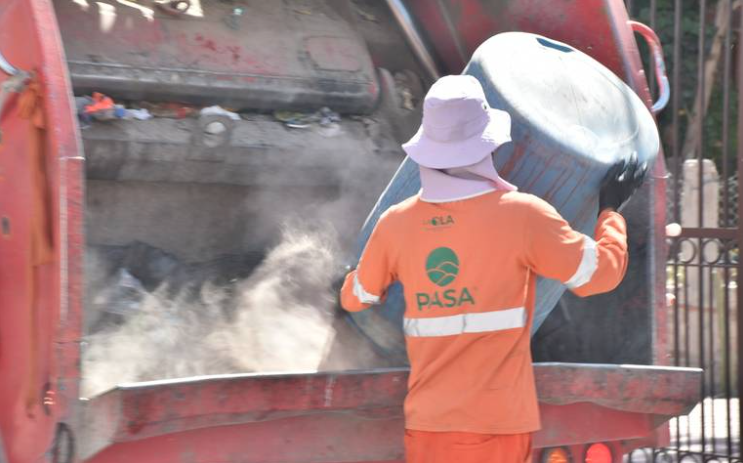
x,y
41,235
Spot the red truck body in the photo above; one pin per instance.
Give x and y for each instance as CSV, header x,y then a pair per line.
x,y
353,416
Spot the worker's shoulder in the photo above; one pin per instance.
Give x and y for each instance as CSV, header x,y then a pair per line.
x,y
402,209
524,201
398,214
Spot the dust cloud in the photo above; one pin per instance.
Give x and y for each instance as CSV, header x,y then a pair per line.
x,y
281,318
151,316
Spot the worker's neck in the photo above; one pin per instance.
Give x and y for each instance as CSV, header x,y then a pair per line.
x,y
440,186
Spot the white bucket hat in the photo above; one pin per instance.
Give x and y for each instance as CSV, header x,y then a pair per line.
x,y
459,128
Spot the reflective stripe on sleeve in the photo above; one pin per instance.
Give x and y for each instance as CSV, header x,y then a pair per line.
x,y
498,320
361,294
588,264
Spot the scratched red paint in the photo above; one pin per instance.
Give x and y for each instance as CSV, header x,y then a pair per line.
x,y
667,395
152,416
477,20
235,50
28,32
209,45
373,89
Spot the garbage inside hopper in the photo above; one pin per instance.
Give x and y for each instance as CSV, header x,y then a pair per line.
x,y
153,314
123,297
220,111
324,117
99,107
169,109
96,107
154,317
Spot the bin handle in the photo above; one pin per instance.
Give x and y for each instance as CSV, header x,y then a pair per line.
x,y
6,67
13,84
660,65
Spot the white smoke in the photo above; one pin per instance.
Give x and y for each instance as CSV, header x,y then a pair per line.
x,y
281,318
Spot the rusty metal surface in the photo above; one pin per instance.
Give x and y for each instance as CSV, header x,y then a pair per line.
x,y
136,412
582,423
257,151
341,438
39,380
634,399
329,438
216,418
414,38
641,389
474,21
598,396
242,55
6,67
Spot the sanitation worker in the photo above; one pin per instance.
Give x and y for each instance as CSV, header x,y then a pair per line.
x,y
468,249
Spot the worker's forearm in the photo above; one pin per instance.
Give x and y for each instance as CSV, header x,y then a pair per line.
x,y
351,300
611,251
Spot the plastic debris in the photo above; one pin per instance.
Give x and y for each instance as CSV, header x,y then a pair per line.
x,y
100,107
292,119
328,117
219,111
365,14
148,264
96,107
138,114
174,7
407,99
331,130
404,84
123,297
215,128
325,117
172,110
232,20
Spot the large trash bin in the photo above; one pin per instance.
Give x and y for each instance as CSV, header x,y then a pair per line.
x,y
572,119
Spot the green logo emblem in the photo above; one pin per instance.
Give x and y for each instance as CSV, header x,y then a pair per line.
x,y
441,221
442,266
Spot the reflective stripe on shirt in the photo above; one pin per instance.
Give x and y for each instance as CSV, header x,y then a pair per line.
x,y
588,264
361,294
497,320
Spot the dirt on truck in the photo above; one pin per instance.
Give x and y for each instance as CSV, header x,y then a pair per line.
x,y
201,171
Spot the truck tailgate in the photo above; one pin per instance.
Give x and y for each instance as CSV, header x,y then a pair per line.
x,y
355,416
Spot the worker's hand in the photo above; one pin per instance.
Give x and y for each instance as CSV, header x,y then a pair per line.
x,y
622,180
338,284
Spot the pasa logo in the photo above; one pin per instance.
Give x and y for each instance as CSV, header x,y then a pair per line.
x,y
442,268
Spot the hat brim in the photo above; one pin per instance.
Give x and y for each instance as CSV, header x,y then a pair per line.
x,y
437,155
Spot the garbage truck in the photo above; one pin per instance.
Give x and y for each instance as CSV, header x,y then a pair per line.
x,y
179,177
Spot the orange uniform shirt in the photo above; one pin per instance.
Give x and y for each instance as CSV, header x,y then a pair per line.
x,y
469,273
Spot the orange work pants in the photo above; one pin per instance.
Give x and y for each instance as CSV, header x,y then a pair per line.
x,y
465,447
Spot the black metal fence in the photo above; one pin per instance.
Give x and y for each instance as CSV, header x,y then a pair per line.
x,y
702,136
